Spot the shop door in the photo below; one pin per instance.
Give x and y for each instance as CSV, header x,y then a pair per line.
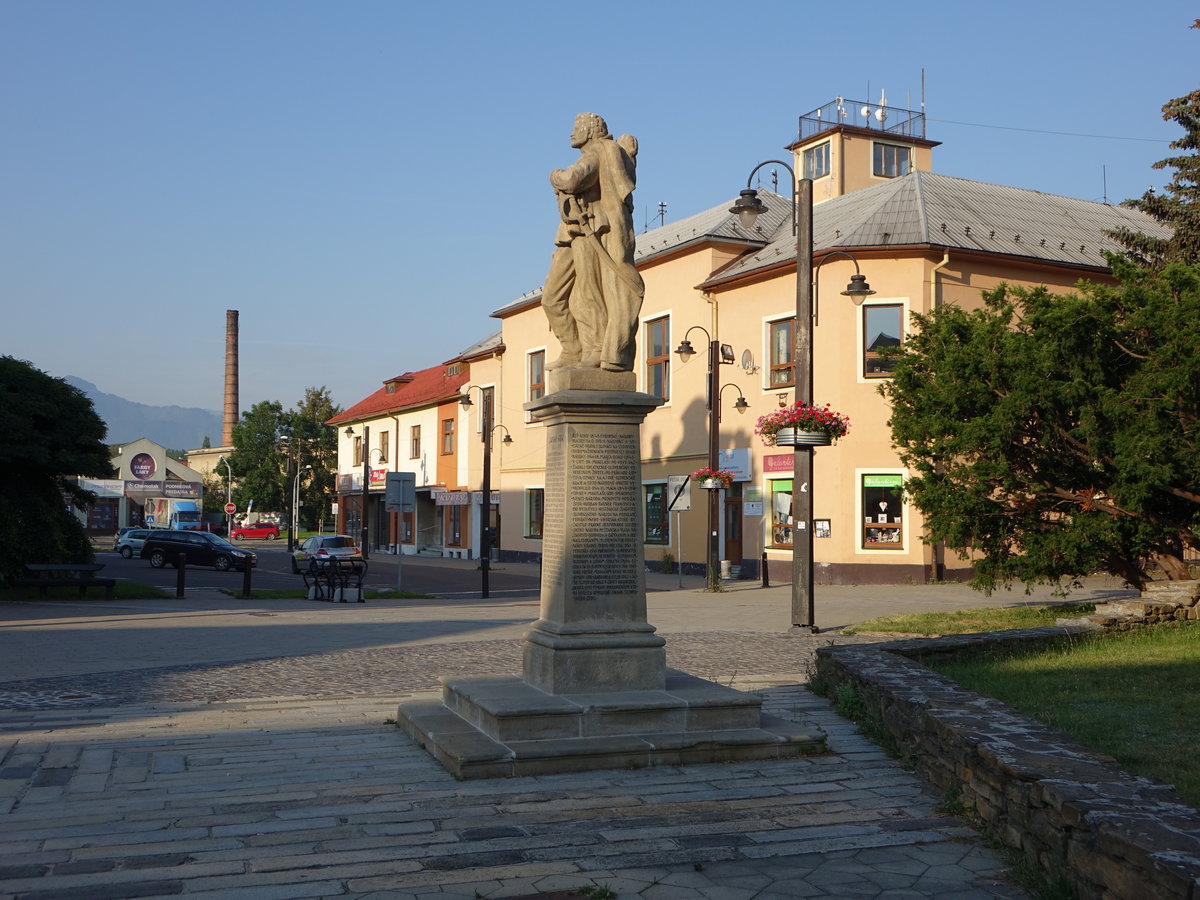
x,y
733,524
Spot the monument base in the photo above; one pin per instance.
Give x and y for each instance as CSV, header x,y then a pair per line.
x,y
496,727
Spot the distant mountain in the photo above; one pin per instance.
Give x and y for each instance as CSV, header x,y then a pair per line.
x,y
175,427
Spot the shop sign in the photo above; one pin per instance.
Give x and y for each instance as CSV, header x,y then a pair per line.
x,y
143,487
378,476
883,481
452,498
142,466
737,461
103,487
188,490
779,462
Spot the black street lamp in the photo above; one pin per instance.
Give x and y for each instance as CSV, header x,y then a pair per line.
x,y
366,483
747,208
485,501
718,354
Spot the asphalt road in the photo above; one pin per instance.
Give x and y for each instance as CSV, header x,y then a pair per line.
x,y
449,579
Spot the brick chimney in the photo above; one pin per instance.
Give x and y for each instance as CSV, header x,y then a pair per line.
x,y
231,377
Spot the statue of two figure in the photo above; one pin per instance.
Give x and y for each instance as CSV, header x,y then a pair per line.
x,y
593,292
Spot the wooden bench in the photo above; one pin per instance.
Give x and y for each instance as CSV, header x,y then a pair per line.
x,y
44,576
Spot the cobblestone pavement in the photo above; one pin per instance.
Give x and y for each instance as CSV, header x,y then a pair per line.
x,y
283,778
718,656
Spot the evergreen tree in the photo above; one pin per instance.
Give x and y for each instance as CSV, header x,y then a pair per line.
x,y
52,434
1179,207
1057,436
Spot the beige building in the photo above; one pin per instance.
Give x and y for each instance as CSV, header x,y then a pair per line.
x,y
921,239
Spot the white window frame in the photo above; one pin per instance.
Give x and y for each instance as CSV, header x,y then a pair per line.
x,y
767,323
812,152
528,384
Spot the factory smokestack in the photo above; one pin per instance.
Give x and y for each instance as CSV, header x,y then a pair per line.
x,y
231,376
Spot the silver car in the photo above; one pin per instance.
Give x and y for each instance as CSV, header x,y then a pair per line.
x,y
130,542
324,547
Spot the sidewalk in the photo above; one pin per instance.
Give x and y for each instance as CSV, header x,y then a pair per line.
x,y
210,748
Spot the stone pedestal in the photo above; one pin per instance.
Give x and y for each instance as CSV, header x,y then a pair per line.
x,y
596,691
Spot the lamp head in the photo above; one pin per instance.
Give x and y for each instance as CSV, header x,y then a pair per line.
x,y
349,431
726,354
464,400
858,289
748,207
507,439
685,350
741,405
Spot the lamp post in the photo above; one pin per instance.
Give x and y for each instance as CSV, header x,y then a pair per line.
x,y
294,530
228,497
718,354
366,484
747,208
486,415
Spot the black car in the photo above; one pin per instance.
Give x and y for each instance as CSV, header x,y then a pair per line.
x,y
199,547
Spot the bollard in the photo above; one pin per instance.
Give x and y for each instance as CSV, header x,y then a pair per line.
x,y
766,583
246,581
180,568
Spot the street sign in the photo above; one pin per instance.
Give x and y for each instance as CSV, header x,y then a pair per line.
x,y
679,493
230,508
400,492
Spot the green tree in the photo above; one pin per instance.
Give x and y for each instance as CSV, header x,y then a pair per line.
x,y
271,445
51,434
1179,207
1058,435
260,467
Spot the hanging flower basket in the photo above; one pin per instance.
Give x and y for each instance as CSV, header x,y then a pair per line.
x,y
794,437
712,479
802,425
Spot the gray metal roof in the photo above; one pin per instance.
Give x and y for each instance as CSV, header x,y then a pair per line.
x,y
491,342
927,208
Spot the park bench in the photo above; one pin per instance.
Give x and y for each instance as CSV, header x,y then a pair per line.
x,y
336,580
44,576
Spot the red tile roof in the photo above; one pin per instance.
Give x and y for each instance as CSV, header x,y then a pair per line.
x,y
425,388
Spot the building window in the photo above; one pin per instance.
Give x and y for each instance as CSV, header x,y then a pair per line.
x,y
883,328
783,372
535,512
891,160
414,441
781,512
537,374
454,525
816,161
358,450
385,440
447,437
882,512
658,358
657,528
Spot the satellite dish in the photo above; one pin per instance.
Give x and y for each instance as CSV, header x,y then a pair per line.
x,y
881,114
865,112
748,362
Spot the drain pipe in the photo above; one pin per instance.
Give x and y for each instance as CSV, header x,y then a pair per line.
x,y
937,555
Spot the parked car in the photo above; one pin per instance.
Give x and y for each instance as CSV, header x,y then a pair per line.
x,y
200,549
256,531
121,532
324,547
130,540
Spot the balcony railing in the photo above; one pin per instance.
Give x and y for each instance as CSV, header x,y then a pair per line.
x,y
861,114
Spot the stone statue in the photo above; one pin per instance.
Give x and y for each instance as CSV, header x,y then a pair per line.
x,y
593,293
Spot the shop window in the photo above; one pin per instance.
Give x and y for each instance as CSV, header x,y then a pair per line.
x,y
816,161
657,526
535,512
781,512
658,358
783,372
891,160
883,329
406,527
454,525
882,512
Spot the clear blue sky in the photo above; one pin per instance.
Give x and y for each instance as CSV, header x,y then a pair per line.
x,y
366,181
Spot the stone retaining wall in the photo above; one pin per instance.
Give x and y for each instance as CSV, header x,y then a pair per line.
x,y
1073,813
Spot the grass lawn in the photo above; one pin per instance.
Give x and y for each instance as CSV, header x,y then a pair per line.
x,y
972,621
301,594
124,590
1131,695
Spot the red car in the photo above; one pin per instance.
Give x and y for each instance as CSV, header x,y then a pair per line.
x,y
257,531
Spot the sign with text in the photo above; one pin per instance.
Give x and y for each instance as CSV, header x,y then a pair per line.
x,y
401,492
679,493
737,461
